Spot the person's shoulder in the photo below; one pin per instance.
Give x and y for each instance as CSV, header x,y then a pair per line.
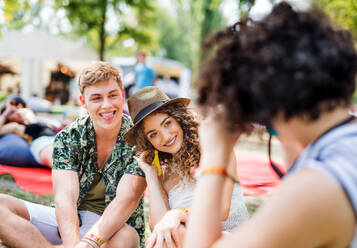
x,y
324,192
339,145
151,70
308,198
340,136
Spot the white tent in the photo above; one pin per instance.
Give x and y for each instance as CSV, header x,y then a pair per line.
x,y
34,47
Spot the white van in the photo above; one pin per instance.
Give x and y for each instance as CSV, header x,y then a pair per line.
x,y
177,86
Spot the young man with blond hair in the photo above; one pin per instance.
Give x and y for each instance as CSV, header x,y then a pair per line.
x,y
97,184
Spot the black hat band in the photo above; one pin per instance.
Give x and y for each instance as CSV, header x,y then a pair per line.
x,y
147,110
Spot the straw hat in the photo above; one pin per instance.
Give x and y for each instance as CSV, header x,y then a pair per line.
x,y
143,103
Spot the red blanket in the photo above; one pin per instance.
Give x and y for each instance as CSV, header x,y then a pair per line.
x,y
35,180
256,177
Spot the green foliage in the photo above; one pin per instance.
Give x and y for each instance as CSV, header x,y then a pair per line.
x,y
19,13
172,38
90,19
343,12
183,29
138,24
244,6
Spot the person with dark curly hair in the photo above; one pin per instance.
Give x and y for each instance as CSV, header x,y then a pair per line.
x,y
294,72
165,133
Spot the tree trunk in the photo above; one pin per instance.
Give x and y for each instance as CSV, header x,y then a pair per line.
x,y
102,33
205,26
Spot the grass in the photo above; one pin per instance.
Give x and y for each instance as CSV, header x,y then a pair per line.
x,y
17,192
253,203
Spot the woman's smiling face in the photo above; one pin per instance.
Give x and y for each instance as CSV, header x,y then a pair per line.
x,y
163,132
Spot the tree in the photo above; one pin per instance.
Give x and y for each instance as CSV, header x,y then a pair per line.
x,y
89,19
343,12
183,27
244,7
19,13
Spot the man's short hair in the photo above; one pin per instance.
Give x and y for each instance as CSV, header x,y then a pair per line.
x,y
98,72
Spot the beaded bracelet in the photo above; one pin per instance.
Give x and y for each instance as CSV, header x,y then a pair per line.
x,y
90,242
96,238
93,240
185,210
218,170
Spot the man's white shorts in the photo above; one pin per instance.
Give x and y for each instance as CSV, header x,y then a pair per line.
x,y
44,219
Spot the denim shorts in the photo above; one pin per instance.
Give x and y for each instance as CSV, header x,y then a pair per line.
x,y
44,219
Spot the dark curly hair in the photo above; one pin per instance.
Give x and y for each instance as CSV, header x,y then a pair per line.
x,y
294,63
188,156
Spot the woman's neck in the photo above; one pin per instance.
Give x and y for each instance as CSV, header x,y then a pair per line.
x,y
298,132
327,121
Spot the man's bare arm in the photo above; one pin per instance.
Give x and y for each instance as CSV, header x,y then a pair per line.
x,y
66,191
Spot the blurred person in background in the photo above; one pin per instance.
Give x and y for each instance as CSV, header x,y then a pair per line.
x,y
17,119
169,86
144,74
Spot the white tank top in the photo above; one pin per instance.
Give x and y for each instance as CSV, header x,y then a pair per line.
x,y
181,195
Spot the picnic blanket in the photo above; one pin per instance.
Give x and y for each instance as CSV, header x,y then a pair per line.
x,y
256,177
35,180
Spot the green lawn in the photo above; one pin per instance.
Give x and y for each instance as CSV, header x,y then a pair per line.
x,y
14,190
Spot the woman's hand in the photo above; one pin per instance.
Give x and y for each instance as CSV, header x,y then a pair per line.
x,y
149,170
216,141
169,231
213,132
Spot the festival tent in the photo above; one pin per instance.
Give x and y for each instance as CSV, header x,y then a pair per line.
x,y
32,48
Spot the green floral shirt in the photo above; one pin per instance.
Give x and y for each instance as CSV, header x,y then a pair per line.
x,y
75,149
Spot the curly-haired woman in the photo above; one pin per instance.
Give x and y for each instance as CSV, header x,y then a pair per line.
x,y
295,72
169,128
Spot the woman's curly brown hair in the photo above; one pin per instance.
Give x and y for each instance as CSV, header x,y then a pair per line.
x,y
188,156
296,63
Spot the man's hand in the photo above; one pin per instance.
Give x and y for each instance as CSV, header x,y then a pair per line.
x,y
83,244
